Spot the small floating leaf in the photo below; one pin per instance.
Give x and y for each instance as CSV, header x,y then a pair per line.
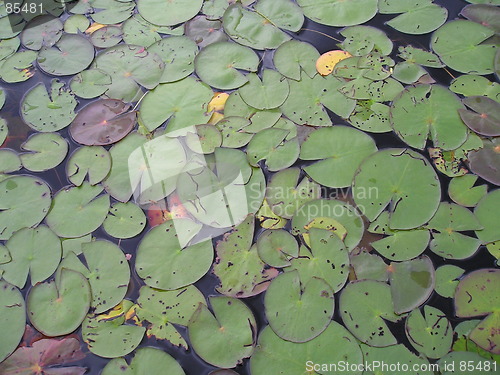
x,y
447,280
462,190
12,310
48,150
93,161
485,119
339,12
485,162
125,220
294,57
168,13
277,247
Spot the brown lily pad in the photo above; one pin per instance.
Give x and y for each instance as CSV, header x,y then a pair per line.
x,y
485,162
484,116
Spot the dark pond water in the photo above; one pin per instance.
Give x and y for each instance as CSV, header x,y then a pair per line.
x,y
321,37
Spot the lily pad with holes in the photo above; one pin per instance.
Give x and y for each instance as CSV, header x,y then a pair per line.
x,y
483,116
367,324
91,161
47,111
339,151
268,219
70,55
486,212
168,13
182,103
90,83
9,161
277,247
47,151
125,220
42,31
339,12
476,58
394,354
463,192
268,93
77,211
446,225
271,145
165,262
477,295
371,116
238,266
419,56
18,67
485,161
36,252
447,278
106,334
13,313
361,40
58,307
412,186
294,57
145,361
428,111
420,20
231,329
298,310
158,311
102,122
327,259
25,202
285,194
219,63
474,85
412,282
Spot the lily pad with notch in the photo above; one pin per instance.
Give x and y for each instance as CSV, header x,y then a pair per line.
x,y
18,67
9,161
125,220
91,161
463,192
485,161
360,40
474,85
447,279
47,151
483,116
90,83
294,57
277,247
268,93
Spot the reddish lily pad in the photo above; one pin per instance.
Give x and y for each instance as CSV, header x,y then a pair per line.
x,y
484,117
485,162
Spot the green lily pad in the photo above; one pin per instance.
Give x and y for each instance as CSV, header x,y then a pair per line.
x,y
204,139
90,83
146,361
340,150
117,183
4,131
2,98
106,334
447,280
310,97
34,251
58,307
8,47
412,186
486,211
112,11
182,103
464,343
105,37
48,112
74,245
485,161
298,311
463,192
294,57
165,263
285,194
91,161
327,259
125,220
42,31
178,53
238,266
78,210
159,310
408,72
277,247
13,313
217,64
361,40
48,150
421,20
269,93
446,225
419,56
204,31
394,354
428,111
339,12
138,31
464,54
367,324
371,116
10,161
231,328
77,23
70,55
168,13
483,117
25,202
368,266
412,282
431,335
18,67
107,271
214,9
473,85
233,132
470,361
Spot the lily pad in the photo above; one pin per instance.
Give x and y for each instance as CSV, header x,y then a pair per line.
x,y
70,55
165,263
78,210
447,278
10,161
25,202
367,324
483,117
361,40
204,139
59,307
269,93
105,37
42,31
339,12
106,334
48,150
419,56
18,67
371,116
90,83
112,11
77,23
474,85
231,329
486,212
277,247
159,310
485,161
294,57
168,13
204,31
394,354
48,112
465,54
412,186
368,266
125,220
4,131
102,122
420,20
340,150
93,161
146,361
13,313
484,14
268,219
462,190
